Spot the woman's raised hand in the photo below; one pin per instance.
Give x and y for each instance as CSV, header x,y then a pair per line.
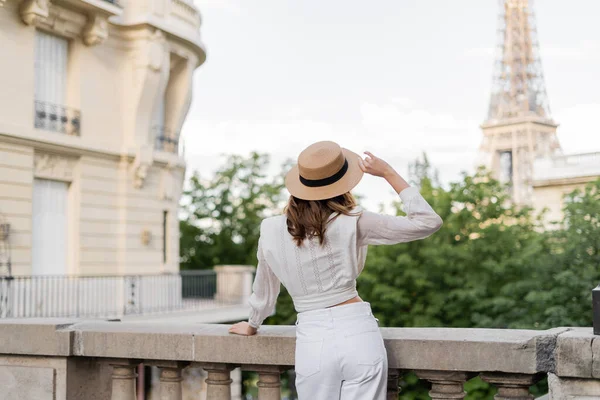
x,y
375,166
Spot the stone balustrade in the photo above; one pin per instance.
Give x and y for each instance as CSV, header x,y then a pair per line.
x,y
74,359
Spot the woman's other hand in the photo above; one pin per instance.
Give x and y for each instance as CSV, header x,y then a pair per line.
x,y
242,328
375,166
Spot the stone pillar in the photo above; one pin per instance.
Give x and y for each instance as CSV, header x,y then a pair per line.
x,y
234,283
123,382
445,384
218,383
392,386
511,386
170,383
573,388
269,382
236,385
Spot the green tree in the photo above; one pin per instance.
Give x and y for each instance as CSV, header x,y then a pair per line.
x,y
491,265
568,271
222,215
462,276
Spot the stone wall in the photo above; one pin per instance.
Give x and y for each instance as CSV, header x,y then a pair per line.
x,y
75,351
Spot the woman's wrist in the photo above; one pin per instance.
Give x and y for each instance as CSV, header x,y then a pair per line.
x,y
396,181
390,174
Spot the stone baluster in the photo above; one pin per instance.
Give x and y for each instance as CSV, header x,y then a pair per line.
x,y
445,384
170,383
269,382
511,386
393,388
218,382
170,378
123,381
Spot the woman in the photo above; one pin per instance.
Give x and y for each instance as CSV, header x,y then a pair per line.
x,y
317,250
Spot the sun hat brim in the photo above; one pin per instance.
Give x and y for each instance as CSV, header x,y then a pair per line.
x,y
350,179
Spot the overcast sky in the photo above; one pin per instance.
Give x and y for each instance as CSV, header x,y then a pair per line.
x,y
395,77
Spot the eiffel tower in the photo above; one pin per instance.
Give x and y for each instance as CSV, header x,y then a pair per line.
x,y
519,128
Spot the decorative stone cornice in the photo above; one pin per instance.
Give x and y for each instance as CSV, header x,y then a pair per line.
x,y
34,11
156,53
53,166
96,30
141,164
70,18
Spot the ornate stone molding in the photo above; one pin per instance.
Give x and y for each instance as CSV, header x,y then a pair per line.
x,y
52,166
96,30
34,11
156,54
141,164
72,19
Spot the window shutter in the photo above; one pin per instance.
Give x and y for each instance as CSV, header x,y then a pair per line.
x,y
51,54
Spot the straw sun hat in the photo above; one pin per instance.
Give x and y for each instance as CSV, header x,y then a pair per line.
x,y
324,170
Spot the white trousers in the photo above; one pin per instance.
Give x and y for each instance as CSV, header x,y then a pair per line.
x,y
340,354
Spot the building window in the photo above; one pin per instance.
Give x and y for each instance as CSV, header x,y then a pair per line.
x,y
506,167
50,227
165,232
50,92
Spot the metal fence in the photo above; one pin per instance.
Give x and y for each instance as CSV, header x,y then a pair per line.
x,y
165,139
117,296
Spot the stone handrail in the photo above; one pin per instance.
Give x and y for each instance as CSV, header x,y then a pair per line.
x,y
86,352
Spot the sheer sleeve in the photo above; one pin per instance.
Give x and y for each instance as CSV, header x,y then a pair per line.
x,y
265,291
420,222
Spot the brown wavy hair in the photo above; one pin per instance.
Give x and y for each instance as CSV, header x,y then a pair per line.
x,y
309,218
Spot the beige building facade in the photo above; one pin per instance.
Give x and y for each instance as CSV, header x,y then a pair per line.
x,y
94,94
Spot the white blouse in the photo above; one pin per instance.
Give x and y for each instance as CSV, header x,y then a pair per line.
x,y
322,276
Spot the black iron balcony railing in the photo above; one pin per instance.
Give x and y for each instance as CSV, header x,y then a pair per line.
x,y
165,139
57,118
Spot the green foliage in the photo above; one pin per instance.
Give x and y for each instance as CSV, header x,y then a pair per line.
x,y
569,269
223,214
491,265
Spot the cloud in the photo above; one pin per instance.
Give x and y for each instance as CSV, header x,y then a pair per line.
x,y
486,52
443,136
579,129
398,131
586,50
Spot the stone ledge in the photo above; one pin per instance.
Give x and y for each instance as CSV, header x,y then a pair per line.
x,y
476,350
40,337
567,352
575,354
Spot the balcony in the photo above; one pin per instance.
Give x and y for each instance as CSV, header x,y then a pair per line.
x,y
165,139
185,11
79,359
57,118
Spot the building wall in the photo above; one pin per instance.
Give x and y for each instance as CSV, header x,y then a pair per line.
x,y
16,179
549,196
120,63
